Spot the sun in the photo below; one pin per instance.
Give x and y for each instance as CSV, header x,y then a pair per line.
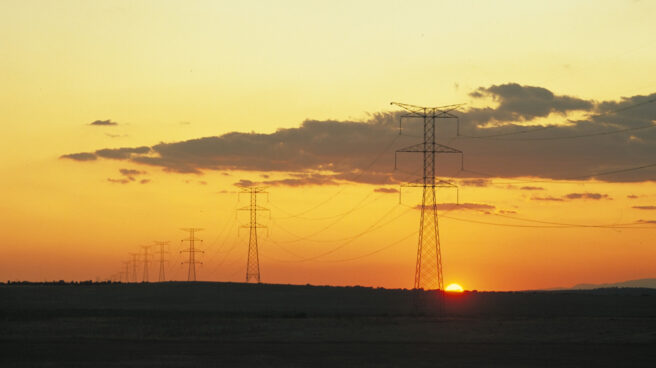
x,y
454,288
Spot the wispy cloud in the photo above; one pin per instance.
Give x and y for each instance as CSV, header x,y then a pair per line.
x,y
573,196
386,190
103,123
648,208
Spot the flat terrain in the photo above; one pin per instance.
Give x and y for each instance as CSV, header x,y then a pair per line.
x,y
240,325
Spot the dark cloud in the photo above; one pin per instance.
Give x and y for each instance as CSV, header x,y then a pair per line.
x,y
523,103
595,196
475,182
350,151
547,198
507,212
131,172
531,188
144,181
83,156
122,153
119,181
244,183
481,207
646,221
572,196
386,190
104,122
632,196
645,207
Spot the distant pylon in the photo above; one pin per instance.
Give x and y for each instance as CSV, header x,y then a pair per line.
x,y
146,262
134,266
191,273
162,244
253,262
127,271
428,268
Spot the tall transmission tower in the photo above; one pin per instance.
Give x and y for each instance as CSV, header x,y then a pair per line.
x,y
162,244
428,268
134,266
191,273
146,262
253,262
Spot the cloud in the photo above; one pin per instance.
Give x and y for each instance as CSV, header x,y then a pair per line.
x,y
351,151
131,172
649,208
244,183
524,103
595,196
104,122
118,181
507,212
531,188
475,182
386,190
573,196
632,196
144,181
481,207
122,153
82,156
646,221
547,198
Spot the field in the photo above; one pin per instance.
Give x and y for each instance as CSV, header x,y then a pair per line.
x,y
239,325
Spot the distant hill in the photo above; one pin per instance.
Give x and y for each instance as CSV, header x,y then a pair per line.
x,y
641,283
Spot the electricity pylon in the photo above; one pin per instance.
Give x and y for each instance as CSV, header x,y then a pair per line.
x,y
127,271
146,262
253,262
161,244
134,266
428,268
191,273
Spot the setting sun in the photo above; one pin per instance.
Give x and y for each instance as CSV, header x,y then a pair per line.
x,y
454,288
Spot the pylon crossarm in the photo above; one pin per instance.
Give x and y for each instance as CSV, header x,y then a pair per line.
x,y
421,111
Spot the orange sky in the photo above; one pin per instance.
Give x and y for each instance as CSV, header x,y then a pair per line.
x,y
172,72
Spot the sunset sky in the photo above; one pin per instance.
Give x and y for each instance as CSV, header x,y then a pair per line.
x,y
125,121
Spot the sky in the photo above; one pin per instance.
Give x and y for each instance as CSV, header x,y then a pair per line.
x,y
124,122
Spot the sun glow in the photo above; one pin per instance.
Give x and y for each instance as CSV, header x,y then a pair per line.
x,y
454,288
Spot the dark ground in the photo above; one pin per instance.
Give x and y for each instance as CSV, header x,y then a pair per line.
x,y
239,325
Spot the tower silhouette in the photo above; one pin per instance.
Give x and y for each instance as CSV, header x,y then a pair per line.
x,y
191,272
146,262
127,271
134,266
428,267
253,262
162,244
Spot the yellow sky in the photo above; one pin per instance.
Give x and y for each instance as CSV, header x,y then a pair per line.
x,y
176,70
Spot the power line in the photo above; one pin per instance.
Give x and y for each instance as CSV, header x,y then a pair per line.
x,y
356,177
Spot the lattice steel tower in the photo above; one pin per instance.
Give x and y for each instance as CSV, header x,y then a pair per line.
x,y
146,262
428,269
253,263
162,261
191,272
